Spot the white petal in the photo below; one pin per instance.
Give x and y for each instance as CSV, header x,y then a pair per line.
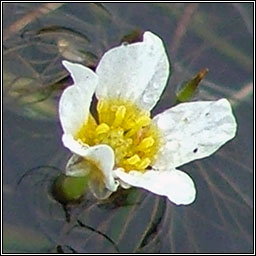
x,y
103,157
98,189
78,148
137,71
76,99
77,167
194,130
123,184
175,184
80,74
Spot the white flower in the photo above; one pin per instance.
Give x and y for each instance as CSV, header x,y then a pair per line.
x,y
122,145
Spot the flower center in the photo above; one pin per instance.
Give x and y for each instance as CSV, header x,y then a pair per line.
x,y
127,129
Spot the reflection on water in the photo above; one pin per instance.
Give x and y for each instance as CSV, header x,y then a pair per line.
x,y
36,38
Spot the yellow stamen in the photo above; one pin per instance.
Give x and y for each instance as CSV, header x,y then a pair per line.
x,y
102,128
141,122
144,164
119,116
146,143
102,108
127,129
133,160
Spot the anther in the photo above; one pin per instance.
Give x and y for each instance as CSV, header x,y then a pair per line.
x,y
133,160
119,115
102,128
144,164
146,143
143,121
102,108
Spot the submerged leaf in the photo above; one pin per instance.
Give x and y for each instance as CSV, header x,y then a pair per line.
x,y
73,52
134,36
55,30
102,8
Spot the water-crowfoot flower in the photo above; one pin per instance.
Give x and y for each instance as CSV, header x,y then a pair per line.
x,y
121,145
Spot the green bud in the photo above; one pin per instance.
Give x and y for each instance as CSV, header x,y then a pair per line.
x,y
189,88
68,189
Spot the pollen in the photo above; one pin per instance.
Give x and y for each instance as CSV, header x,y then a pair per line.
x,y
126,128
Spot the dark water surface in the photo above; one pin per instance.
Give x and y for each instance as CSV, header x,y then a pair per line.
x,y
36,37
